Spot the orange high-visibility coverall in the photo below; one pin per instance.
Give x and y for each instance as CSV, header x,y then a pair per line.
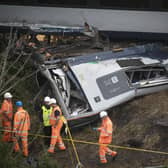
x,y
57,124
20,128
7,116
105,138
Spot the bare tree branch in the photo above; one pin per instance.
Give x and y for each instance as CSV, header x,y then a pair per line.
x,y
17,59
18,81
5,55
14,76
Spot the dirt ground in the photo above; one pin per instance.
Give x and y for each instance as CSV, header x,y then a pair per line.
x,y
136,125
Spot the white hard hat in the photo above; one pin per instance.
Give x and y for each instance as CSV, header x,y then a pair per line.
x,y
7,95
103,114
46,99
52,101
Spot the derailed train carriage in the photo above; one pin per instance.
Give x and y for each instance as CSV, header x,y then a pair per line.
x,y
88,84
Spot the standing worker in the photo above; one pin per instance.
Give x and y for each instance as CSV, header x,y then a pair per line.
x,y
45,118
7,117
57,123
105,137
20,128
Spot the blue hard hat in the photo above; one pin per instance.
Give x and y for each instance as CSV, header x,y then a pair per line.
x,y
19,103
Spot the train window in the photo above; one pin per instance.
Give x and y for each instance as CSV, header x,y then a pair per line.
x,y
117,4
76,2
10,1
50,2
157,72
145,74
18,2
6,1
139,76
142,4
165,4
64,2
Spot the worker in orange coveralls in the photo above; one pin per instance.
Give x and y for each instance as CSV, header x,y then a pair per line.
x,y
20,128
105,137
7,117
57,123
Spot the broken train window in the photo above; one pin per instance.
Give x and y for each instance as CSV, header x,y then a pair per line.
x,y
146,74
70,90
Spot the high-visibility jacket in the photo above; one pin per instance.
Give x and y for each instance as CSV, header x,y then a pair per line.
x,y
7,110
46,115
57,123
56,120
106,130
21,127
7,115
21,122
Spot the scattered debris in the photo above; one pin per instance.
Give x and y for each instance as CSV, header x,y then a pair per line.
x,y
162,122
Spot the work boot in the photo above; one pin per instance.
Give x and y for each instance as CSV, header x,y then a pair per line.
x,y
51,148
15,153
62,148
50,151
103,161
25,154
114,156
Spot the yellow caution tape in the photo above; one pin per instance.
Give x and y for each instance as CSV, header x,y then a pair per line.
x,y
63,119
94,143
79,165
122,147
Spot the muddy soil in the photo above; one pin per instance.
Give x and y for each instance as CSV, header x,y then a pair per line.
x,y
137,125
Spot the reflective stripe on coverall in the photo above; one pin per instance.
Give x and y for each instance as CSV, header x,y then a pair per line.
x,y
21,127
105,138
57,124
7,110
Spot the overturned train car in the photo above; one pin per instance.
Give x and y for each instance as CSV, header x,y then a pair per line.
x,y
88,84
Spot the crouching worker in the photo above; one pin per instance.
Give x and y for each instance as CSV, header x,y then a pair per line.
x,y
105,137
20,128
56,123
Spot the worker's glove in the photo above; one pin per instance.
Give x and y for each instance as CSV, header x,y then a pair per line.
x,y
66,130
94,129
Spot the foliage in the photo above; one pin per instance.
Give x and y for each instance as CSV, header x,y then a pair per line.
x,y
16,160
17,75
9,159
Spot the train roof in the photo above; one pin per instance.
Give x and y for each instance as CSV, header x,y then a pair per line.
x,y
132,56
138,56
148,54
